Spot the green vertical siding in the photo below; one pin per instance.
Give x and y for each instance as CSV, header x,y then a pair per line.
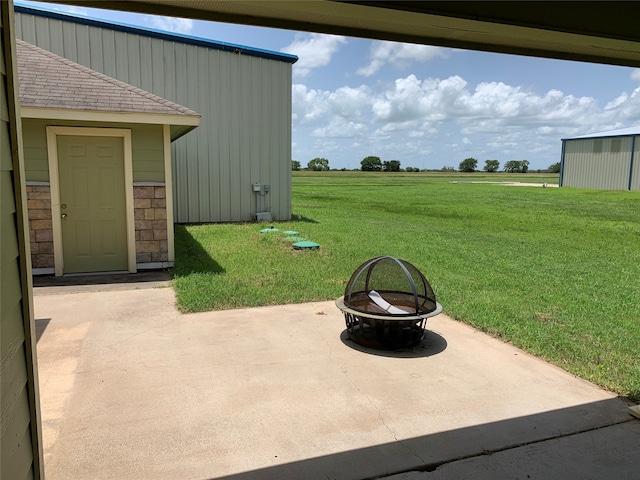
x,y
146,146
245,102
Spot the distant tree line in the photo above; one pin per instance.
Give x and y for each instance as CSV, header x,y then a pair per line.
x,y
491,166
470,164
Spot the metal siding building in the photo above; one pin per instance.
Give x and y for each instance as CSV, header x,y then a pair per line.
x,y
604,161
243,95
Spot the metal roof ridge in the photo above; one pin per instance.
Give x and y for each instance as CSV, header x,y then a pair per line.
x,y
155,33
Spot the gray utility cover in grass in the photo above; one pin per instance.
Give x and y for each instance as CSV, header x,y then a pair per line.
x,y
242,93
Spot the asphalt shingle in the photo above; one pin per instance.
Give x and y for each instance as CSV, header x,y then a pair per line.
x,y
51,81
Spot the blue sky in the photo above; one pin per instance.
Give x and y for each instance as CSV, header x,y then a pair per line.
x,y
426,106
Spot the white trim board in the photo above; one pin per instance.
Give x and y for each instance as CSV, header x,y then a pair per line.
x,y
168,191
106,116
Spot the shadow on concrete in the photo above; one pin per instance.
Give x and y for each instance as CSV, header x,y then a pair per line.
x,y
191,257
431,344
594,440
41,326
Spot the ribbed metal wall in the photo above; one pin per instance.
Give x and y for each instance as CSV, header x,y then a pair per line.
x,y
635,173
606,170
245,102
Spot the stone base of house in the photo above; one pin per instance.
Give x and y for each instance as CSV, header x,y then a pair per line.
x,y
150,217
150,214
40,225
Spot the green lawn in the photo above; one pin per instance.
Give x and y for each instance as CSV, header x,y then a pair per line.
x,y
553,271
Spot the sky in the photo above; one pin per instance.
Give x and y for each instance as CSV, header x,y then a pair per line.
x,y
428,107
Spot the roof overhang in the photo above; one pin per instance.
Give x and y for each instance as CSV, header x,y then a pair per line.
x,y
180,124
598,31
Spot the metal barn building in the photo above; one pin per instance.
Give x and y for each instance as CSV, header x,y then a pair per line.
x,y
242,93
605,161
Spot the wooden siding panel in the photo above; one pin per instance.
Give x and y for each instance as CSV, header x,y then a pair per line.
x,y
17,461
20,453
13,375
35,151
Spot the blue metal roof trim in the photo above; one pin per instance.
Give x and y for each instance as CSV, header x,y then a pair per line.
x,y
150,32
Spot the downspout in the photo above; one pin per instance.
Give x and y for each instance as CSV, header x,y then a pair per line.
x,y
633,150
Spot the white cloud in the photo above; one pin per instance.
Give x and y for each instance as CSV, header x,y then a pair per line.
x,y
400,55
171,24
340,128
311,106
314,50
414,117
625,107
488,108
635,74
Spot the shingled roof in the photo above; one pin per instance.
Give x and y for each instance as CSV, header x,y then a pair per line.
x,y
50,81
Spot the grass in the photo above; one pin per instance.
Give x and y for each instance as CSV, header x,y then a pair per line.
x,y
553,271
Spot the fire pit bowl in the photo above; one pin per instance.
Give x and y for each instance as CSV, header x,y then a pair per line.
x,y
386,304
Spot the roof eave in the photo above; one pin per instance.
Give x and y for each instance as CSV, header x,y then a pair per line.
x,y
49,113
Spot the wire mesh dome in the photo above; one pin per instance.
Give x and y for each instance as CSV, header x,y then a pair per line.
x,y
389,286
386,303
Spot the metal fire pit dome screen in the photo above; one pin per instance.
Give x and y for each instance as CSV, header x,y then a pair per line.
x,y
389,286
386,304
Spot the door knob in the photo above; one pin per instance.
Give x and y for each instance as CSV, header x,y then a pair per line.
x,y
64,215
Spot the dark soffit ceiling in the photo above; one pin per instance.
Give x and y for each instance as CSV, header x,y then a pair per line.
x,y
593,31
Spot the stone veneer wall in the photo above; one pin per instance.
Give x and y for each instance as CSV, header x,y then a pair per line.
x,y
150,214
40,226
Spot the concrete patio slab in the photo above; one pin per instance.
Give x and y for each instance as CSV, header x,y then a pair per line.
x,y
132,389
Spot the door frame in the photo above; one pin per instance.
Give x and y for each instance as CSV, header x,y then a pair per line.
x,y
54,181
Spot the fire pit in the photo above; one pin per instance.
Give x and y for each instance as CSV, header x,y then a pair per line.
x,y
386,304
